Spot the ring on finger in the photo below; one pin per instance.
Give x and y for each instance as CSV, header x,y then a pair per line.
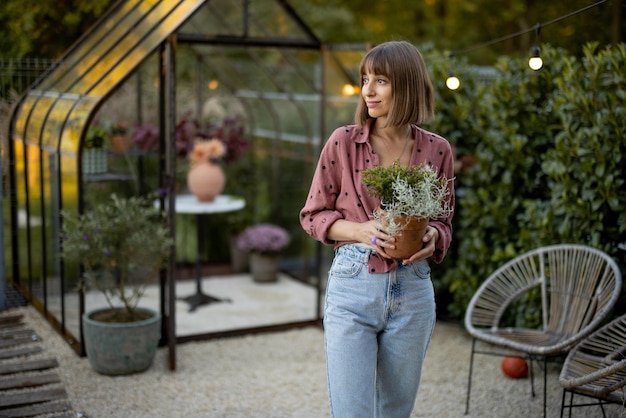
x,y
374,239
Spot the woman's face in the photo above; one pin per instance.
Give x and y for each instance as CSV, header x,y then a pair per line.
x,y
377,94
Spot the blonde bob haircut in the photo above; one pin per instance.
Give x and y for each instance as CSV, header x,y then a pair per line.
x,y
413,97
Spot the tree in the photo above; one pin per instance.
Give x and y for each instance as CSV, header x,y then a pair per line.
x,y
45,28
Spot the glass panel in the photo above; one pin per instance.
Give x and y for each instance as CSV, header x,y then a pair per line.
x,y
70,274
23,114
158,24
54,123
51,201
37,118
34,222
22,236
266,19
86,53
75,124
342,88
269,19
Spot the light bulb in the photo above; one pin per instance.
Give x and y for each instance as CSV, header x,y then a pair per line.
x,y
453,82
535,62
349,90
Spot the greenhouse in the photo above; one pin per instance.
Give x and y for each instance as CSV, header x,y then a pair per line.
x,y
139,88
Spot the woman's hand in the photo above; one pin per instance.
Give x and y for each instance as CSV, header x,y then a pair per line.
x,y
428,249
379,239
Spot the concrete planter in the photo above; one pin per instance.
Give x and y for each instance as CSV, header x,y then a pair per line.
x,y
264,268
121,348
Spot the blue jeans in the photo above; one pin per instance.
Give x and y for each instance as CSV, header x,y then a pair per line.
x,y
377,328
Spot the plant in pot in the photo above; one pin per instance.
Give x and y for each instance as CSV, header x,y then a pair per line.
x,y
121,245
94,153
120,138
409,197
264,242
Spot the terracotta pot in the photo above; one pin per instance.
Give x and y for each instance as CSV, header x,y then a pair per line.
x,y
120,143
409,240
206,180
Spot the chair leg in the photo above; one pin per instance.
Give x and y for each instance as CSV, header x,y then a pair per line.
x,y
563,402
469,378
571,403
532,376
602,407
545,384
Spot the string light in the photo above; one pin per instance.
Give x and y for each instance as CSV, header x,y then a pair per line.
x,y
349,90
535,62
452,82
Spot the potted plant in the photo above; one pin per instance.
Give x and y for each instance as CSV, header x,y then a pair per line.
x,y
120,139
94,153
121,245
409,197
264,242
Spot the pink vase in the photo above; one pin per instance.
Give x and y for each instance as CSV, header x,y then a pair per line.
x,y
206,180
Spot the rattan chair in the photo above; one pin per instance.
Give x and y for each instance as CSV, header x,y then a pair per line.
x,y
596,368
577,287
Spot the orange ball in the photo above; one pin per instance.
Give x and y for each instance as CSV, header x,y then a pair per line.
x,y
515,367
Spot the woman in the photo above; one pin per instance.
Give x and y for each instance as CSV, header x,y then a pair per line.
x,y
379,312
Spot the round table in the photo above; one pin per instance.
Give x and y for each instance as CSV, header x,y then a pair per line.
x,y
189,204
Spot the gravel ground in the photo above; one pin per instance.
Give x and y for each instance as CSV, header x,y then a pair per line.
x,y
283,375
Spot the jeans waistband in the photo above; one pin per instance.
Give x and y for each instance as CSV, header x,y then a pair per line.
x,y
360,252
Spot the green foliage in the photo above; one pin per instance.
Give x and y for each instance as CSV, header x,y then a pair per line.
x,y
45,29
549,164
96,135
121,244
407,191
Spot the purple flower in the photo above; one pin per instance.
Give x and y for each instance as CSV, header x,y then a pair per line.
x,y
263,238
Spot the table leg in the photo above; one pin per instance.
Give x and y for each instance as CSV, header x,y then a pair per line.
x,y
199,298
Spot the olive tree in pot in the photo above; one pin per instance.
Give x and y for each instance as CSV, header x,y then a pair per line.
x,y
409,197
121,245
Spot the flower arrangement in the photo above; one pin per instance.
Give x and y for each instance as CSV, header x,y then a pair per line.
x,y
145,137
206,150
263,238
414,191
231,133
121,243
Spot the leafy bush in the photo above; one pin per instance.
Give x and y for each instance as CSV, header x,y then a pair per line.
x,y
549,167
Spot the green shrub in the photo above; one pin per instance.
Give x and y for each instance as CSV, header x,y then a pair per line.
x,y
549,166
